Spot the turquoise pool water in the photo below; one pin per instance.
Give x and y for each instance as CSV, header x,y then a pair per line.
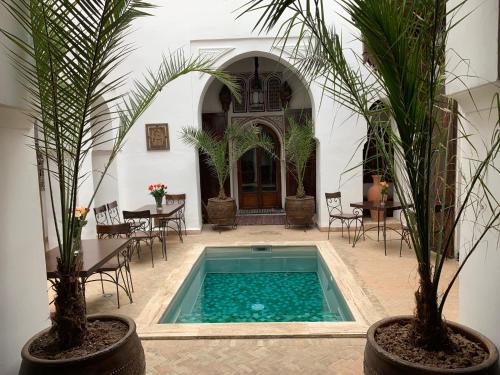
x,y
287,284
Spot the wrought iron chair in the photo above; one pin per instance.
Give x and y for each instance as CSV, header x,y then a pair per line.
x,y
118,267
335,212
101,215
178,219
113,213
405,231
141,230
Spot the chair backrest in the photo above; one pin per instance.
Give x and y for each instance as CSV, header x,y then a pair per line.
x,y
410,212
334,202
176,198
113,230
113,212
101,215
140,220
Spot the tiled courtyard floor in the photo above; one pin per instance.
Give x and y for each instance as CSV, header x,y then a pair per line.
x,y
388,281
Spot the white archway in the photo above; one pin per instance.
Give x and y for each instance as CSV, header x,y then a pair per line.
x,y
274,120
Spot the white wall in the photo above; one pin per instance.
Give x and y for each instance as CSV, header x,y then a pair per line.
x,y
476,40
472,51
23,283
211,28
479,281
11,91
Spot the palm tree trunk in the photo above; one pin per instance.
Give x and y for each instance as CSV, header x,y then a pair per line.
x,y
429,331
222,194
70,320
301,193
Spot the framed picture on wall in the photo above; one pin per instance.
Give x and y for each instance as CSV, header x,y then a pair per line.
x,y
157,138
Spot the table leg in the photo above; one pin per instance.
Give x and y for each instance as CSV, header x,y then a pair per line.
x,y
385,231
164,242
378,225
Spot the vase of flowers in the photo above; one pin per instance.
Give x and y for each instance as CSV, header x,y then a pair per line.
x,y
158,191
384,188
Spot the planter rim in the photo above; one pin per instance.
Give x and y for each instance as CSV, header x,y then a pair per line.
x,y
25,354
490,347
307,197
215,199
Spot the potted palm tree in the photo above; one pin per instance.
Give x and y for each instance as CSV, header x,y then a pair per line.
x,y
299,146
222,154
68,65
406,43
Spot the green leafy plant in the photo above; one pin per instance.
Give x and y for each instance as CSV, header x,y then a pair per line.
x,y
299,146
223,152
69,65
405,42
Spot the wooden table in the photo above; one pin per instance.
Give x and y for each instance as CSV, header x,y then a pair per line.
x,y
365,205
167,211
95,253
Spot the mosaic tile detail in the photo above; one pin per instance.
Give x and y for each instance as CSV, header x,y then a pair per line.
x,y
261,297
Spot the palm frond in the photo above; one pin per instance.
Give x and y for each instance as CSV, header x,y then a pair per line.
x,y
68,65
299,146
223,152
406,42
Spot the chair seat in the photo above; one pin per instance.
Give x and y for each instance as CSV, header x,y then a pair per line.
x,y
140,234
346,216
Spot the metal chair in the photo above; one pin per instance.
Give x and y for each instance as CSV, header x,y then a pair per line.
x,y
113,213
141,230
405,231
179,218
119,267
335,212
101,215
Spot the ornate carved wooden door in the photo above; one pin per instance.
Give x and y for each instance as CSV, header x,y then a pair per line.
x,y
259,177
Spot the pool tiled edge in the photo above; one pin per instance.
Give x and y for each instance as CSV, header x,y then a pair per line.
x,y
359,304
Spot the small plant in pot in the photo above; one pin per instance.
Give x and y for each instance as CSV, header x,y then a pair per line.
x,y
222,153
406,43
68,64
299,146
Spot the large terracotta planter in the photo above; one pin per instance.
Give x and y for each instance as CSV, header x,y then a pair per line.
x,y
222,212
125,357
380,362
375,195
300,211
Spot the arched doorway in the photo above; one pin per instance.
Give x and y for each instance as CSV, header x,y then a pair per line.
x,y
258,183
259,175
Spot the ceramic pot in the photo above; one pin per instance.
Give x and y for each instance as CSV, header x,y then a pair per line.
x,y
222,212
377,361
300,211
125,357
375,195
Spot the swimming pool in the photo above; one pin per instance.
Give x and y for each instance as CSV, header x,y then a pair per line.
x,y
258,284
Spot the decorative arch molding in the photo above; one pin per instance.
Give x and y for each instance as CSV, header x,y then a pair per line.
x,y
276,122
214,53
237,53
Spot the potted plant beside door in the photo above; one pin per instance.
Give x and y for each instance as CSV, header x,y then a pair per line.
x,y
68,57
222,153
299,146
406,41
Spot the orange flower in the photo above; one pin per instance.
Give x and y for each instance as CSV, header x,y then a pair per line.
x,y
81,211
